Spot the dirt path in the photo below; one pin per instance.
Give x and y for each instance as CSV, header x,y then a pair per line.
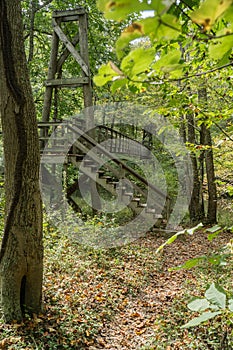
x,y
136,324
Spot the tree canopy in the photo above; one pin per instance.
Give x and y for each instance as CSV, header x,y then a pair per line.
x,y
183,39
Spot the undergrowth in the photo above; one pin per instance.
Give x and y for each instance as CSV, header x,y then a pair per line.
x,y
87,291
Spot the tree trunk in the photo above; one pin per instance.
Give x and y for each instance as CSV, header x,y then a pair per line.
x,y
210,173
21,253
202,171
194,206
211,217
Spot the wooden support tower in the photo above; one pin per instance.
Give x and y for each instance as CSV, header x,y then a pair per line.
x,y
77,47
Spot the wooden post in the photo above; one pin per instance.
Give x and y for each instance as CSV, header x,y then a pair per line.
x,y
88,105
51,75
87,89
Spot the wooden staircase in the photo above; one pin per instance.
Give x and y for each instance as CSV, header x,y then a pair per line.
x,y
95,154
99,161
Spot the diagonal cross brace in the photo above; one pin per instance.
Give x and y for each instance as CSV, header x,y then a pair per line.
x,y
70,47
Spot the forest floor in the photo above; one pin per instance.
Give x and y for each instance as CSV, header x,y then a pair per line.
x,y
123,298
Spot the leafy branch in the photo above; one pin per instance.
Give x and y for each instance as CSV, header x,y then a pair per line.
x,y
215,303
186,77
203,73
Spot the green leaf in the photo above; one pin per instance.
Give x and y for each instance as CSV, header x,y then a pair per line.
x,y
137,61
191,231
169,27
174,237
228,14
107,73
170,64
134,31
160,5
169,241
168,60
230,304
198,304
230,190
213,235
219,48
202,318
117,84
165,27
213,228
224,60
209,12
217,259
189,264
150,26
216,295
120,9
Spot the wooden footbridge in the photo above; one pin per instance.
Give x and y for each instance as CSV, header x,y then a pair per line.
x,y
94,154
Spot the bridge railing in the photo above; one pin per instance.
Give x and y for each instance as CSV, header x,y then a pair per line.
x,y
113,140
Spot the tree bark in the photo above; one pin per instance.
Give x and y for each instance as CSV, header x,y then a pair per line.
x,y
21,256
202,170
211,217
194,206
210,173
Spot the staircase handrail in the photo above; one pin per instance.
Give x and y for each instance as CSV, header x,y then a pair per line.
x,y
125,137
91,141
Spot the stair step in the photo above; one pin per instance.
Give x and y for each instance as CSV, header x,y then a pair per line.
x,y
45,138
53,159
153,212
73,156
107,178
130,194
101,173
79,157
54,149
60,153
136,199
88,163
142,205
114,184
158,216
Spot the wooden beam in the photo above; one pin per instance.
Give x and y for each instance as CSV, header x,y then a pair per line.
x,y
70,18
70,47
66,53
68,82
51,123
51,75
69,13
87,89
